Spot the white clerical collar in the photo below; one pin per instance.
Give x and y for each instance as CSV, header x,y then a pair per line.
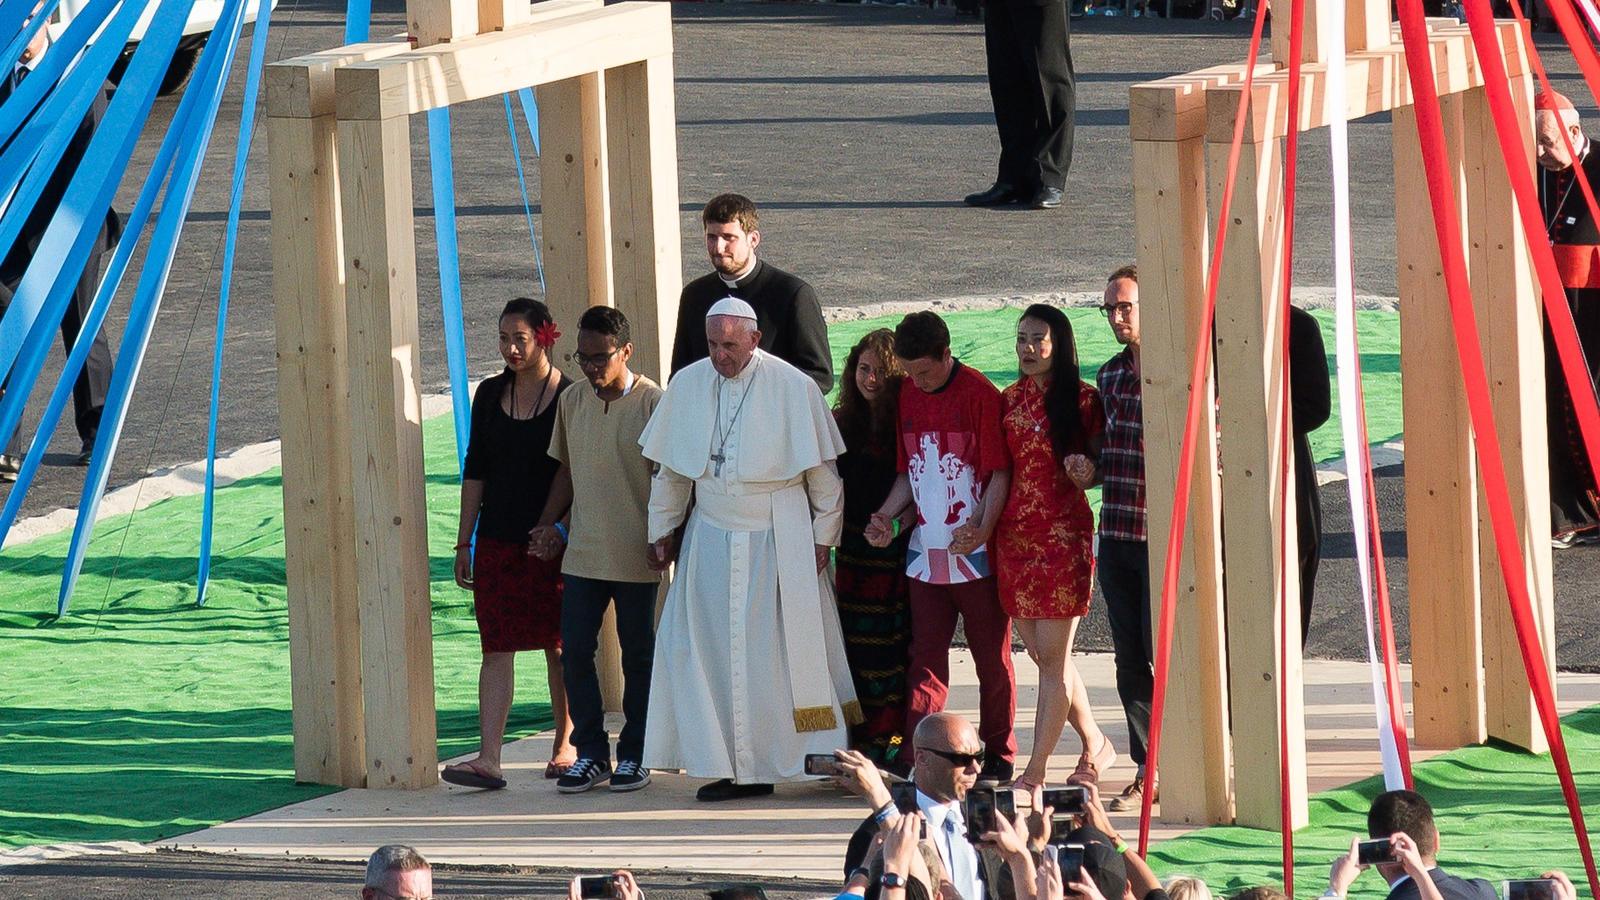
x,y
748,271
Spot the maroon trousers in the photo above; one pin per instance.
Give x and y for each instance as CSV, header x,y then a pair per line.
x,y
934,608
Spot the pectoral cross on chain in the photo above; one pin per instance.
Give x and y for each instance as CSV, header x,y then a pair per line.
x,y
718,459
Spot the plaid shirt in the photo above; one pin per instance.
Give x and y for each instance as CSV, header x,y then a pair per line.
x,y
1122,454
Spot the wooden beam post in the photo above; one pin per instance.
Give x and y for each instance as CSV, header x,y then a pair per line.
x,y
386,452
498,15
574,197
1172,231
1321,17
642,148
308,307
1366,25
1441,472
441,21
1250,371
1511,325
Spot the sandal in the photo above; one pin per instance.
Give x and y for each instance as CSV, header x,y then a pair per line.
x,y
1022,784
554,769
1090,767
469,774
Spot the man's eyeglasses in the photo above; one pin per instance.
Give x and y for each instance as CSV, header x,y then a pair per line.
x,y
1118,310
585,361
959,760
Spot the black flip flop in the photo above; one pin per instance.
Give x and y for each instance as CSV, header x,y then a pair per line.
x,y
472,778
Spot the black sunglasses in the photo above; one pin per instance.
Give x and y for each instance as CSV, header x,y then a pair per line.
x,y
959,760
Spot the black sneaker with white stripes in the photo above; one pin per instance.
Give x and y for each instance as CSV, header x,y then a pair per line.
x,y
630,776
584,774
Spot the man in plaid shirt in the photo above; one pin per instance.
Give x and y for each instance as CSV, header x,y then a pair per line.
x,y
1123,565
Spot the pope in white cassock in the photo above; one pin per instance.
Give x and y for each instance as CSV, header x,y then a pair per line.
x,y
750,672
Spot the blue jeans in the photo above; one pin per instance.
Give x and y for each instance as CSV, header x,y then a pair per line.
x,y
583,609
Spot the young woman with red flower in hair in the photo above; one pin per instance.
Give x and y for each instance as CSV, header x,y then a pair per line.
x,y
516,597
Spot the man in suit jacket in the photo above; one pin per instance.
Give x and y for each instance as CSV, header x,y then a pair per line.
x,y
1406,813
1035,97
89,391
787,313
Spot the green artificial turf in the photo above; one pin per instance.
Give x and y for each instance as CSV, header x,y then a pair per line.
x,y
1500,815
139,717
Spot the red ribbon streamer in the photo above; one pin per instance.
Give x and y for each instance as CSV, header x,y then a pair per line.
x,y
1430,131
1191,425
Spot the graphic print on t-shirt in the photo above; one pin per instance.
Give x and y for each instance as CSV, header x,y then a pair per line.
x,y
946,492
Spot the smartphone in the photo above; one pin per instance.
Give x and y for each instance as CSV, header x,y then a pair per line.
x,y
1072,800
904,794
1378,850
1061,827
1529,889
1070,858
821,764
983,805
596,887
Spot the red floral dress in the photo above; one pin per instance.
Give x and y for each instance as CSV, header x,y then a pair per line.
x,y
1044,543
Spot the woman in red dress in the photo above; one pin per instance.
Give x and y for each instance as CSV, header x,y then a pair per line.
x,y
1044,543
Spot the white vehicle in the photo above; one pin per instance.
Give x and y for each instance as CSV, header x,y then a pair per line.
x,y
202,19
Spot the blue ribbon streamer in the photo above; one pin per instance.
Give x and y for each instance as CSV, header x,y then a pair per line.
x,y
152,285
357,21
444,229
530,114
522,182
43,140
98,308
241,159
49,71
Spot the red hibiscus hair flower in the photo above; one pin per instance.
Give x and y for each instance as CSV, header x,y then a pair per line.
x,y
546,335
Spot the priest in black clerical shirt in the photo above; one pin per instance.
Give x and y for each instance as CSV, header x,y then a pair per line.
x,y
787,313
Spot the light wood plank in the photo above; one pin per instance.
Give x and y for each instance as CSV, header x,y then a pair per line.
x,y
1169,200
1320,18
1250,374
319,531
386,452
1442,548
1366,25
539,53
576,218
1511,326
645,239
441,21
498,15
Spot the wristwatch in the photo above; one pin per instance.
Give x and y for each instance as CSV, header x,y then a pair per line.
x,y
892,880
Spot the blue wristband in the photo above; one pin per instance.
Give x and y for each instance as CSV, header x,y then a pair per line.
x,y
562,530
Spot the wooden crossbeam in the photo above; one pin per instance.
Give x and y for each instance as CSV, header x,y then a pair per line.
x,y
487,65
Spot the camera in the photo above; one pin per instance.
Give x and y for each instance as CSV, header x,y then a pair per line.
x,y
1529,889
982,806
1378,850
1070,858
597,887
821,764
1072,800
904,794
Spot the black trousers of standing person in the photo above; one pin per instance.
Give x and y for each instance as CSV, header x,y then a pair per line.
x,y
1033,88
1123,568
1308,522
94,381
583,609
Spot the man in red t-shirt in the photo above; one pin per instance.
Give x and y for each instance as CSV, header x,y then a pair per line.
x,y
955,471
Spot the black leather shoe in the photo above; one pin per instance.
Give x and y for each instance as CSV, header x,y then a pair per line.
x,y
1046,198
999,194
997,770
726,790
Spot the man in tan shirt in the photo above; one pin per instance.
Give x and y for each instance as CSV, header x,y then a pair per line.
x,y
597,509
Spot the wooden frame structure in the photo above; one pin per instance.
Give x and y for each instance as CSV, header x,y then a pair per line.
x,y
345,291
1469,683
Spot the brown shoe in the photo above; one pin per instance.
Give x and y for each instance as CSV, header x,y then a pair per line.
x,y
1132,797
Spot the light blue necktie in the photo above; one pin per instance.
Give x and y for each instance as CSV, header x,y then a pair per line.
x,y
963,868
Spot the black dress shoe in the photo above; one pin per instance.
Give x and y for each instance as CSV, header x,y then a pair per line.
x,y
725,789
1046,198
997,770
999,194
